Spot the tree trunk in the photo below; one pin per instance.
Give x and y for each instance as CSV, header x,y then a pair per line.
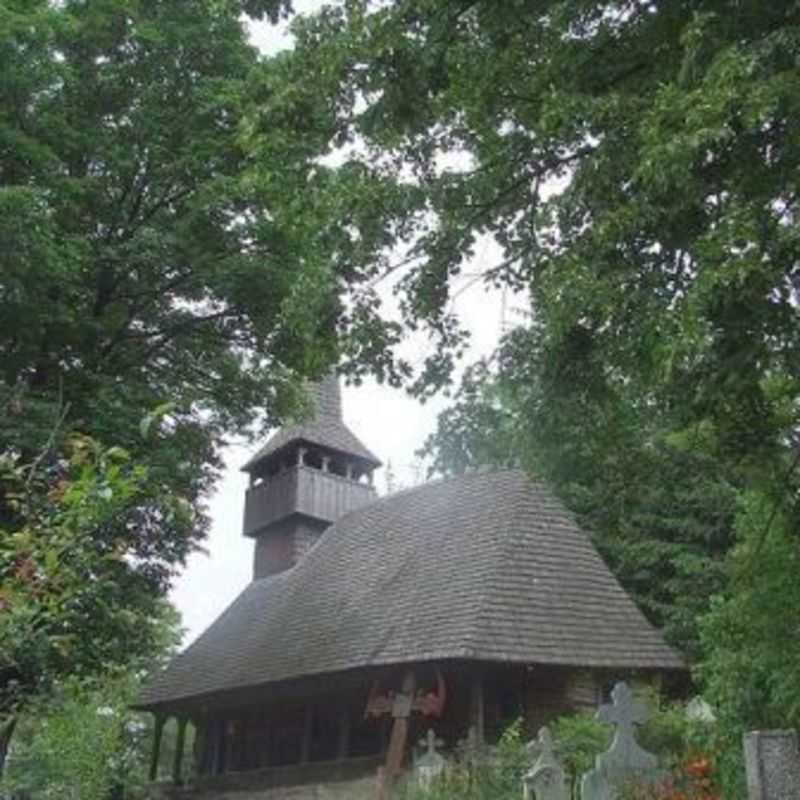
x,y
6,732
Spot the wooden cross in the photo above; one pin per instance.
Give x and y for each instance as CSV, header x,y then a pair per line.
x,y
401,705
401,711
429,704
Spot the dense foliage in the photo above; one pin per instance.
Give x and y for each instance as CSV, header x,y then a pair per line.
x,y
750,636
77,747
142,259
147,268
635,162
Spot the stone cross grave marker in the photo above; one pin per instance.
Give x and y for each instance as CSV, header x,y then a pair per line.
x,y
772,759
471,749
625,759
546,779
430,765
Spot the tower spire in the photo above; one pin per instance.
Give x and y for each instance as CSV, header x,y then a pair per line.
x,y
328,398
304,478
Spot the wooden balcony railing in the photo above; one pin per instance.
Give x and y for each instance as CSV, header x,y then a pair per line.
x,y
302,490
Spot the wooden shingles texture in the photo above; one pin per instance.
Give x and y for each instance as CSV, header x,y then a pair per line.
x,y
328,432
325,429
484,566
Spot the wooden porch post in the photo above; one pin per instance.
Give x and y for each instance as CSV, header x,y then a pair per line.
x,y
228,739
477,706
308,727
200,744
158,730
177,764
343,746
216,733
266,742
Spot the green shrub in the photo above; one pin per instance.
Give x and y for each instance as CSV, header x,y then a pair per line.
x,y
579,738
81,744
499,777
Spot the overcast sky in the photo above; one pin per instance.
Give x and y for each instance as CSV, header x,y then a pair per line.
x,y
390,423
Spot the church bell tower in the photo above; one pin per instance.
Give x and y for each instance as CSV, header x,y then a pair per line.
x,y
303,479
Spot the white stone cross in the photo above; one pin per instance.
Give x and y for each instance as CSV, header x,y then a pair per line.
x,y
625,759
430,765
430,743
472,746
546,779
625,710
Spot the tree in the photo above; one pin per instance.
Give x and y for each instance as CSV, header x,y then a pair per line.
x,y
141,262
647,204
80,587
146,272
69,745
82,740
750,635
633,160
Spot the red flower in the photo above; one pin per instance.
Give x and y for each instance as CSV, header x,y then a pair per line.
x,y
700,768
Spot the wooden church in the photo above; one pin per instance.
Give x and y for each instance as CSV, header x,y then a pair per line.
x,y
458,605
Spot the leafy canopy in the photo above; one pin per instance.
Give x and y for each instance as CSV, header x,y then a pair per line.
x,y
149,271
634,161
157,295
84,741
143,260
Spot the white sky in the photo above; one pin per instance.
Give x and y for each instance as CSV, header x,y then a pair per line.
x,y
389,422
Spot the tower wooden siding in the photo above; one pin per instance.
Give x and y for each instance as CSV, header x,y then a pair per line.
x,y
285,544
302,490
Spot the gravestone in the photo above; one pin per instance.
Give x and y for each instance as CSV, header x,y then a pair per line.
x,y
430,765
625,760
471,749
772,760
546,779
698,710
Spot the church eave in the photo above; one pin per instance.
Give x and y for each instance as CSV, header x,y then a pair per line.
x,y
337,439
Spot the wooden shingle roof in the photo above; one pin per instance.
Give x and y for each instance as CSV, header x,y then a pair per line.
x,y
486,566
326,429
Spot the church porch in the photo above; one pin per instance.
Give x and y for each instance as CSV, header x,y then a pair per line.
x,y
339,728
